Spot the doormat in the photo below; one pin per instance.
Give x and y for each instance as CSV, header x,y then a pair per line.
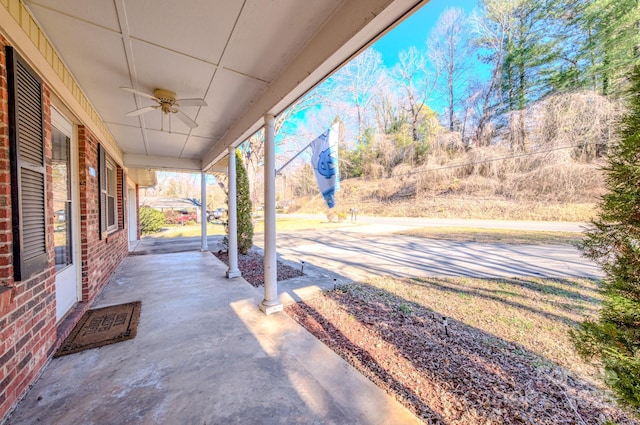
x,y
102,326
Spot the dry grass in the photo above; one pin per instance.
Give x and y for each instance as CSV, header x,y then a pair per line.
x,y
504,236
451,206
484,183
536,313
469,351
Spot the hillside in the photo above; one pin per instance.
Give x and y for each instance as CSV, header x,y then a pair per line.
x,y
477,184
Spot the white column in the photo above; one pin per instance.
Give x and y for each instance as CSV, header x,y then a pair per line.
x,y
204,246
233,218
271,303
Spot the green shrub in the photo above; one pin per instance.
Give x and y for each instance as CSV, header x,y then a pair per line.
x,y
243,205
612,242
151,220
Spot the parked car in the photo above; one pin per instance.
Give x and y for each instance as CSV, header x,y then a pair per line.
x,y
216,215
180,217
188,216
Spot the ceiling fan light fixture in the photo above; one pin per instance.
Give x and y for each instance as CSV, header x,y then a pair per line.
x,y
167,102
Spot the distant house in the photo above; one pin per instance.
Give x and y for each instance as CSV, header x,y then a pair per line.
x,y
173,204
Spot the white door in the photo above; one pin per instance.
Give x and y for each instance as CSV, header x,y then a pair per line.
x,y
65,213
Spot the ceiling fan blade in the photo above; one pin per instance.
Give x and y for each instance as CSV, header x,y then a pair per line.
x,y
185,119
191,102
130,90
141,111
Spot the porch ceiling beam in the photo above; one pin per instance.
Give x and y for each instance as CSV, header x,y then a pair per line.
x,y
162,163
355,25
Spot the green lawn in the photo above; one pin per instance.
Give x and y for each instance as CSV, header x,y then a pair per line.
x,y
282,225
190,230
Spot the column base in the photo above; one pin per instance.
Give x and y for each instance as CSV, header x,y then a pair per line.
x,y
233,273
204,249
269,307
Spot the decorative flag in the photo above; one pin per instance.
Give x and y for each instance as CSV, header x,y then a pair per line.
x,y
325,164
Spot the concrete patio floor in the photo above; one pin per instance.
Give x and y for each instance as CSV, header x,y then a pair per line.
x,y
204,354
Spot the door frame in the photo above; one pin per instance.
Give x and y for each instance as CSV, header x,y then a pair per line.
x,y
60,122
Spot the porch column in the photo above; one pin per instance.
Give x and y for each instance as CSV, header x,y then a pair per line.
x,y
271,303
233,218
204,246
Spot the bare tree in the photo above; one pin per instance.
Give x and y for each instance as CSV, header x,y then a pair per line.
x,y
357,84
492,27
416,83
253,148
449,46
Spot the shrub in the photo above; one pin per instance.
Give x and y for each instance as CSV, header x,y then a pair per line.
x,y
613,242
151,220
243,205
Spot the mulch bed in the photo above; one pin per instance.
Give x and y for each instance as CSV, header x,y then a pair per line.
x,y
448,372
252,267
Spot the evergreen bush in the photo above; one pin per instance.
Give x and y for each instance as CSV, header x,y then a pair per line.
x,y
614,243
243,204
151,220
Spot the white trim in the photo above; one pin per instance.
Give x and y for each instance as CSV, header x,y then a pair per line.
x,y
232,226
204,246
162,163
271,303
132,214
112,191
61,123
68,129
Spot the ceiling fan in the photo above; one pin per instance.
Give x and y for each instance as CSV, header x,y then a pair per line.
x,y
168,104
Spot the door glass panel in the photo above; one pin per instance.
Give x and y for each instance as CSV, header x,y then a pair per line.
x,y
62,199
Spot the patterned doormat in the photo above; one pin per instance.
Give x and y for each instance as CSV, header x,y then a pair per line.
x,y
102,326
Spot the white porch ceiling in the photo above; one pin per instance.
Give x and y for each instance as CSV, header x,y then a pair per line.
x,y
244,57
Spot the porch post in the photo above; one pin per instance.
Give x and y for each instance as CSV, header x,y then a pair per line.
x,y
204,246
233,218
271,303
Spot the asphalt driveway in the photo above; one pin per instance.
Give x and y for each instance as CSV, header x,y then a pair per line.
x,y
374,250
371,249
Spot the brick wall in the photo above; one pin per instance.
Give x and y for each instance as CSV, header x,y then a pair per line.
x,y
28,326
28,316
100,257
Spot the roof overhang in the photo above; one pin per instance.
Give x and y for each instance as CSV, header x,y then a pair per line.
x,y
246,58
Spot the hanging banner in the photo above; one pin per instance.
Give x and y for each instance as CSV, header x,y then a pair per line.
x,y
324,160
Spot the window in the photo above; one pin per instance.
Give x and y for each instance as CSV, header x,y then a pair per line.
x,y
63,216
108,193
28,188
111,197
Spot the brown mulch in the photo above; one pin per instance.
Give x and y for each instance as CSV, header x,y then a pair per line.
x,y
446,371
252,267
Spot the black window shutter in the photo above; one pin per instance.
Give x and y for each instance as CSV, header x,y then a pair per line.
x,y
28,172
102,197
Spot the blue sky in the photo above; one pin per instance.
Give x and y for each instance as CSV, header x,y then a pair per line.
x,y
414,30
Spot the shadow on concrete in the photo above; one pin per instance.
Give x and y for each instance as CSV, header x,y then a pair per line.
x,y
203,353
